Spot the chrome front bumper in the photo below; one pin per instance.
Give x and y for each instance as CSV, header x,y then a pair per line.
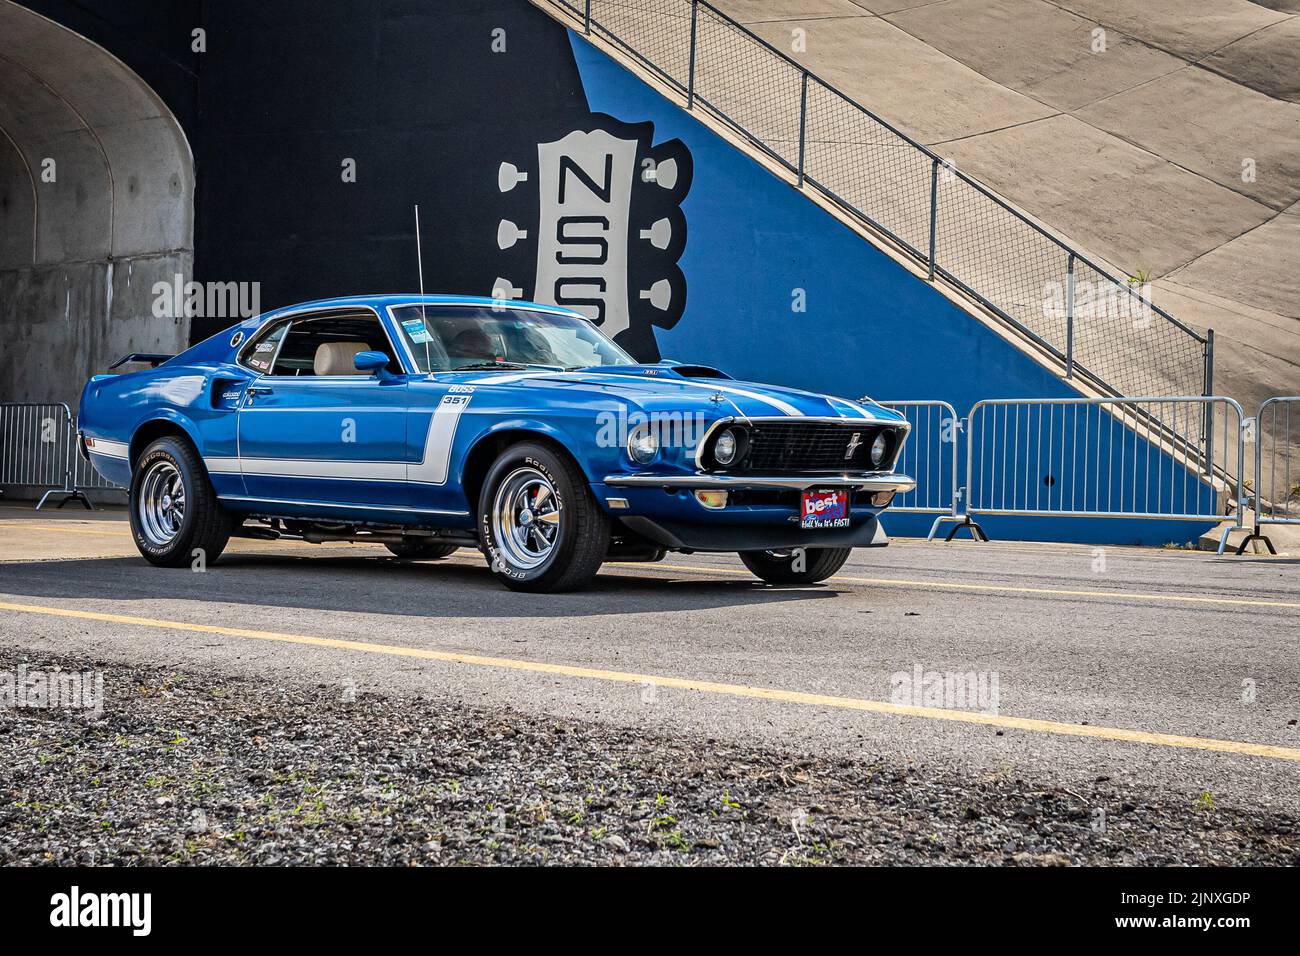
x,y
867,481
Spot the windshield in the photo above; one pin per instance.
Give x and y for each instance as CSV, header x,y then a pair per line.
x,y
445,338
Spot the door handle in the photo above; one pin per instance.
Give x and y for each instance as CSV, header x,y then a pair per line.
x,y
253,391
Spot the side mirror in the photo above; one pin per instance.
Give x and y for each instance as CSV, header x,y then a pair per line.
x,y
376,362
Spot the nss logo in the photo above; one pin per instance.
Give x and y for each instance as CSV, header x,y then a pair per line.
x,y
606,230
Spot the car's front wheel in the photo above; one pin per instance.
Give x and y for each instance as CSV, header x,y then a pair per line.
x,y
795,565
176,519
539,525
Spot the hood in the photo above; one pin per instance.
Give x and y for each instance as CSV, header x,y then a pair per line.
x,y
665,384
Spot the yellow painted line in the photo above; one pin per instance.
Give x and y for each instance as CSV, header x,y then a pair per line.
x,y
681,683
1007,588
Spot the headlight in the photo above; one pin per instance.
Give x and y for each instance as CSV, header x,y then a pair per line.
x,y
728,448
878,448
643,444
725,448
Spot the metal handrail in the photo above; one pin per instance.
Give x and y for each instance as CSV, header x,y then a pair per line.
x,y
588,12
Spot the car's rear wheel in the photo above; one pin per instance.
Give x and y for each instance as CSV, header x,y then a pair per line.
x,y
176,519
416,549
539,525
795,565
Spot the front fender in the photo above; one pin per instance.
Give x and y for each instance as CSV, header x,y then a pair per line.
x,y
585,452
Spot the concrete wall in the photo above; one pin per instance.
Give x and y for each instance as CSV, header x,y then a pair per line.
x,y
96,204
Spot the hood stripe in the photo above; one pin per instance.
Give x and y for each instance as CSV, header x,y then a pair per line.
x,y
854,406
728,390
776,403
499,379
786,408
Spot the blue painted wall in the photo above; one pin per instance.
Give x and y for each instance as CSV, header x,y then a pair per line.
x,y
870,327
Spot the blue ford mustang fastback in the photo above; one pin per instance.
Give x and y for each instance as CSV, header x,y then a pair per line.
x,y
431,423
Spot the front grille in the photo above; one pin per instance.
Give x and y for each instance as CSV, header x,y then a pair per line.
x,y
815,446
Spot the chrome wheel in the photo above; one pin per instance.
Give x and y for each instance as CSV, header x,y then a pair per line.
x,y
526,518
161,503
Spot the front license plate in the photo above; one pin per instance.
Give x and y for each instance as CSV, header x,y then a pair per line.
x,y
824,509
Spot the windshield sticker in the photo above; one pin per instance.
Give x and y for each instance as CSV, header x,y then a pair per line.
x,y
416,330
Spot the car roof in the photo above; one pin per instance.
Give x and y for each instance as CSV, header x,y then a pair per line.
x,y
385,300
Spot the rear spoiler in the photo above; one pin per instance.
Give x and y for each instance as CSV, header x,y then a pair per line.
x,y
153,358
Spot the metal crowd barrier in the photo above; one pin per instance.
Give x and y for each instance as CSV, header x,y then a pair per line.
x,y
930,456
1103,458
35,441
1276,491
38,449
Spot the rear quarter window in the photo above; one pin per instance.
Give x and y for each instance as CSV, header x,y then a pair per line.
x,y
259,354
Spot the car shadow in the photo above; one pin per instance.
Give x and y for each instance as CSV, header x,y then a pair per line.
x,y
429,589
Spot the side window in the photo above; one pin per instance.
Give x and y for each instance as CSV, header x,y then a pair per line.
x,y
260,353
325,345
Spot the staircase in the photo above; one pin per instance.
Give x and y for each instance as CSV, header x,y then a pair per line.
x,y
1095,328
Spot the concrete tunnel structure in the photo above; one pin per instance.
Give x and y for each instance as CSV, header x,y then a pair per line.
x,y
96,205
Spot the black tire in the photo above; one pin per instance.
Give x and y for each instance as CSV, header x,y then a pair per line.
x,y
581,535
413,549
778,567
203,526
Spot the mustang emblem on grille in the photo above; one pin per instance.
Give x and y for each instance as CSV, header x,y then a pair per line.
x,y
854,442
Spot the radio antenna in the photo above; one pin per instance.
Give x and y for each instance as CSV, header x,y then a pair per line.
x,y
424,316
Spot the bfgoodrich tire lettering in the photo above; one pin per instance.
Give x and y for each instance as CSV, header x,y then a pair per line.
x,y
780,567
167,535
539,526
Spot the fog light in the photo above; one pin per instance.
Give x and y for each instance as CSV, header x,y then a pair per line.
x,y
878,448
881,499
712,499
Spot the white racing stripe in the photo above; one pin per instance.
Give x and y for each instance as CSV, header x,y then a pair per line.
x,y
776,403
108,449
222,466
730,390
500,379
432,469
854,406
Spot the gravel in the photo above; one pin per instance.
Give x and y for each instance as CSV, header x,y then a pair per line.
x,y
198,768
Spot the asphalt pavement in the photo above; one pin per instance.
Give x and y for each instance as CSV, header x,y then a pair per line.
x,y
1172,672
